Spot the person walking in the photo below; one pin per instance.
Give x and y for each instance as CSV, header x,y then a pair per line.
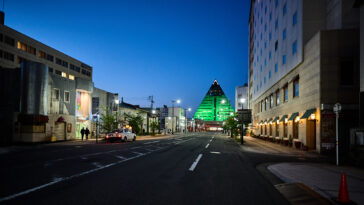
x,y
87,132
82,132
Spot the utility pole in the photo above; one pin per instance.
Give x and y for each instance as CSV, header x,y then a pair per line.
x,y
337,109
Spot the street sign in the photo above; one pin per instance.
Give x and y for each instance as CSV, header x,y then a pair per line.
x,y
337,108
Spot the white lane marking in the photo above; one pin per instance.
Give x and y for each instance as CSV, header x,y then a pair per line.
x,y
139,153
151,142
96,164
182,141
136,147
213,137
210,140
207,145
120,157
215,152
194,164
57,180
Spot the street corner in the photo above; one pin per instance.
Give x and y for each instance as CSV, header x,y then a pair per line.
x,y
324,179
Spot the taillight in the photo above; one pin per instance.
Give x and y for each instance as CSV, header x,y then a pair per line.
x,y
119,135
107,136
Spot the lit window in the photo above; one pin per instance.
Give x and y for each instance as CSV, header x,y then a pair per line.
x,y
64,74
71,77
294,18
294,47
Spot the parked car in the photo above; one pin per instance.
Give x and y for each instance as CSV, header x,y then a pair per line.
x,y
120,135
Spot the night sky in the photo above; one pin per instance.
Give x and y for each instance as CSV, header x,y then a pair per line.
x,y
172,49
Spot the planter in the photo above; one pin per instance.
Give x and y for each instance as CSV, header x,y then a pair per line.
x,y
271,139
278,140
297,144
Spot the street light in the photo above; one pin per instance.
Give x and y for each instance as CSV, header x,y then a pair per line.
x,y
242,100
153,111
186,109
178,102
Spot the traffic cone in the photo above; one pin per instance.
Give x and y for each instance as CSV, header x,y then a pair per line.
x,y
343,196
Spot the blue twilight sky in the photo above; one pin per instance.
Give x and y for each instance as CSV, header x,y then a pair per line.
x,y
171,49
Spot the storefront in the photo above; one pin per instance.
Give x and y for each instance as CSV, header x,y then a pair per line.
x,y
83,111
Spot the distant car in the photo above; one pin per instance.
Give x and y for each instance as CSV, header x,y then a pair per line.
x,y
120,135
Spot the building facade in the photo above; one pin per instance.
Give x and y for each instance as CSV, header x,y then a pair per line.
x,y
241,97
303,58
38,68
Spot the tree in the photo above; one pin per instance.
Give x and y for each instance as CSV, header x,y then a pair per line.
x,y
232,125
154,126
108,120
135,122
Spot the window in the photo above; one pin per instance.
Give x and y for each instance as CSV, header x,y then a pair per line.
x,y
10,41
265,27
284,9
20,60
270,16
66,96
270,35
42,54
277,97
56,94
271,101
296,86
270,55
261,106
294,19
265,62
8,56
284,34
346,72
50,70
294,47
276,67
64,74
57,72
64,64
266,104
71,77
50,57
276,3
284,59
276,24
270,74
261,68
265,79
276,45
26,48
58,61
285,92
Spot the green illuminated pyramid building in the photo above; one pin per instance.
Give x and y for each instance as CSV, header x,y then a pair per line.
x,y
215,106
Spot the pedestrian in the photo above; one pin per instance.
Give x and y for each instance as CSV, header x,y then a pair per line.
x,y
82,132
87,132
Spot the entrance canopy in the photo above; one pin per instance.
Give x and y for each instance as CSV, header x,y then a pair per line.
x,y
308,113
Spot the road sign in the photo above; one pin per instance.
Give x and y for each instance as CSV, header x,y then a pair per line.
x,y
337,108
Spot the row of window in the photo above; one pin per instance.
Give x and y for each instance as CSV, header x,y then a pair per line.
x,y
274,100
41,54
60,73
56,95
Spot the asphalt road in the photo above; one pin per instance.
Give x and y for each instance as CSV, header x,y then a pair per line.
x,y
201,168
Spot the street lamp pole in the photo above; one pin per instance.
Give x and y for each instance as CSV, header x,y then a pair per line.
x,y
173,101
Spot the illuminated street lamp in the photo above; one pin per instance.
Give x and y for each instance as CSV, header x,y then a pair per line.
x,y
242,100
178,102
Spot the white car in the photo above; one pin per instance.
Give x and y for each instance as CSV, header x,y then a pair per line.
x,y
120,135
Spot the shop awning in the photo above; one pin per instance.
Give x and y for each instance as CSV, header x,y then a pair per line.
x,y
308,113
283,117
293,116
275,119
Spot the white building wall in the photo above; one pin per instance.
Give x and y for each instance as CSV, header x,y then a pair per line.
x,y
266,14
241,97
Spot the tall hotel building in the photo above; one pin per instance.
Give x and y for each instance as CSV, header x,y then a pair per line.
x,y
304,58
46,94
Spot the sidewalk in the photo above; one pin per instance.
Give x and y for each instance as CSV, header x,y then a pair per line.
x,y
323,178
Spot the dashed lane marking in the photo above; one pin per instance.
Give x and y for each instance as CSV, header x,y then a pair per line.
x,y
194,164
207,145
215,152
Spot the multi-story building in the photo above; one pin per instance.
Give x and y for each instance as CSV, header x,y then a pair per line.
x,y
103,101
127,110
241,97
64,83
304,58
